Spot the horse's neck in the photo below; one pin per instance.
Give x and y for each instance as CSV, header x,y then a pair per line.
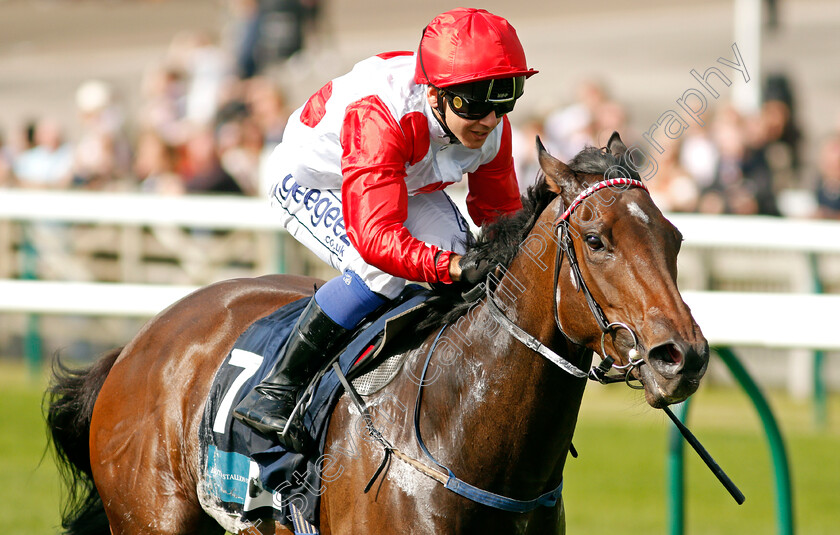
x,y
508,405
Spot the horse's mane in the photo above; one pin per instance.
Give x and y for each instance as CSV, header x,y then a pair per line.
x,y
595,161
498,242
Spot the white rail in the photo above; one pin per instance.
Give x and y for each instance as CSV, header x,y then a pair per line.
x,y
759,232
234,212
195,211
777,320
88,298
730,319
726,318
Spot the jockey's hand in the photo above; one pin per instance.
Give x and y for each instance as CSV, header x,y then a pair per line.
x,y
472,270
455,267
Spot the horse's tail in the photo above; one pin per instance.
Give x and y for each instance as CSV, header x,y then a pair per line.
x,y
70,400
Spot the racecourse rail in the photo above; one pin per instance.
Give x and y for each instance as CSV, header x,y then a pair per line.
x,y
728,319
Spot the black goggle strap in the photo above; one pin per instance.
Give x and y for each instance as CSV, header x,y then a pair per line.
x,y
441,105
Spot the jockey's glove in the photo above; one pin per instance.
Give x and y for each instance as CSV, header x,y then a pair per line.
x,y
474,270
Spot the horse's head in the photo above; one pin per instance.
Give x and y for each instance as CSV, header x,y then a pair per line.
x,y
627,253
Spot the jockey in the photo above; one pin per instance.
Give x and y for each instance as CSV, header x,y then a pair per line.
x,y
359,178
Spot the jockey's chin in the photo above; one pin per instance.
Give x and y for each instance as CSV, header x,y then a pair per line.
x,y
472,133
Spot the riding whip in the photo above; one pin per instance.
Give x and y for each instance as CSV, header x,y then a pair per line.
x,y
701,451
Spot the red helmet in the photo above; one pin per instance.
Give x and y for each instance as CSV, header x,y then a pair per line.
x,y
469,45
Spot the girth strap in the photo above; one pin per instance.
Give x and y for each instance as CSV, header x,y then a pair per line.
x,y
462,488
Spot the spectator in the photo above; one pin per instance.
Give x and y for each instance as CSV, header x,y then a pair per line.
x,y
759,179
267,105
523,148
240,146
201,168
699,156
163,103
828,180
783,136
672,188
243,34
5,163
208,72
102,153
269,31
570,129
49,163
610,116
154,166
743,183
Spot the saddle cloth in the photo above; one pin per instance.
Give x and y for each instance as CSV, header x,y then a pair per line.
x,y
247,476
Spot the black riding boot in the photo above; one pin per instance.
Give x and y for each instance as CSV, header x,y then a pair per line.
x,y
268,406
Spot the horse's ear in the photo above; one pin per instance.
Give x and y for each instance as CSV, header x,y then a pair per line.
x,y
616,147
559,177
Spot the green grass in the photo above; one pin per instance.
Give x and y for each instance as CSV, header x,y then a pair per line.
x,y
29,486
618,483
616,486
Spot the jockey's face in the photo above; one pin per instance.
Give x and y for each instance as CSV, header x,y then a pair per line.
x,y
471,133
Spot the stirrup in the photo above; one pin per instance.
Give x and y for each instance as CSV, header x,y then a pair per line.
x,y
293,437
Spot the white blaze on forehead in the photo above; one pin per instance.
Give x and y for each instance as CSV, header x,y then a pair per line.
x,y
636,211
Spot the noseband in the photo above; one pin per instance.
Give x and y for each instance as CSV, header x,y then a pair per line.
x,y
565,248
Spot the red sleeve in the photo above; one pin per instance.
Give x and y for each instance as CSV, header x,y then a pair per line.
x,y
374,196
493,188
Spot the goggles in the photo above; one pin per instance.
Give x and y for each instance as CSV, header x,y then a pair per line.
x,y
476,100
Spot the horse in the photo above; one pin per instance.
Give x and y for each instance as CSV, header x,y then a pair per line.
x,y
586,266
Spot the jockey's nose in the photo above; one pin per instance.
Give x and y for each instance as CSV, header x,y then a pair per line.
x,y
490,120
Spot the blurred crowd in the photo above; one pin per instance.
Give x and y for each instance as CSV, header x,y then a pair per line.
x,y
207,117
210,114
735,164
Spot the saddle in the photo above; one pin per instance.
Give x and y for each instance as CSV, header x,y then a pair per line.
x,y
369,373
247,475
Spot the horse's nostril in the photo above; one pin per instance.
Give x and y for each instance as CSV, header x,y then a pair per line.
x,y
669,353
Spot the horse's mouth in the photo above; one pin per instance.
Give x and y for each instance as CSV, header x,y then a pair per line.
x,y
661,391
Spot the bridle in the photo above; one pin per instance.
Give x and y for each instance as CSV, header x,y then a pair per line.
x,y
562,234
565,248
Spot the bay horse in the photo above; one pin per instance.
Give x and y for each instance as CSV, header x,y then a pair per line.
x,y
494,411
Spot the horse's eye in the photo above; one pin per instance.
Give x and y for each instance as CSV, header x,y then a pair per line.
x,y
594,242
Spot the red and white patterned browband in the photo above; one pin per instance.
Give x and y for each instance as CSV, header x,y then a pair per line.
x,y
599,186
